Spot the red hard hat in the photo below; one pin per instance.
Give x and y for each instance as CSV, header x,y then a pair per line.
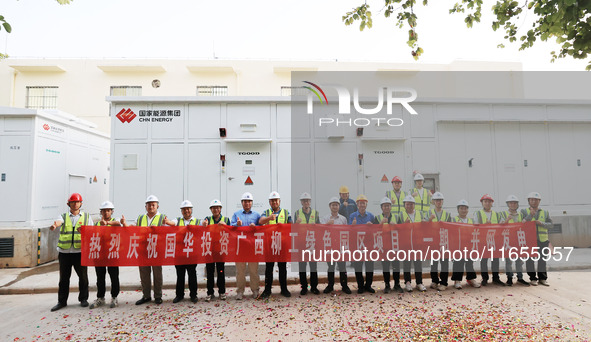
x,y
75,197
486,196
396,179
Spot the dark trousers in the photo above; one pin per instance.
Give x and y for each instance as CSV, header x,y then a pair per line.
x,y
418,264
518,268
530,265
484,268
395,264
180,280
313,274
458,270
221,277
342,273
67,261
440,278
358,266
101,273
269,275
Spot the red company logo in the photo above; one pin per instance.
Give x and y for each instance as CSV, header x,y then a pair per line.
x,y
126,115
46,127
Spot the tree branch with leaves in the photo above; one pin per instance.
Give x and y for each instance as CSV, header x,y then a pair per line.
x,y
566,21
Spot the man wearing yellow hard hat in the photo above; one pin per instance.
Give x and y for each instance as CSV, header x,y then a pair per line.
x,y
348,206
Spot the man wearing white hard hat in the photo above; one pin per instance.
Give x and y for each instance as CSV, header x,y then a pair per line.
x,y
463,264
335,218
488,216
543,223
512,215
362,216
216,218
246,217
191,270
438,214
307,215
106,210
275,215
410,215
421,195
152,218
385,218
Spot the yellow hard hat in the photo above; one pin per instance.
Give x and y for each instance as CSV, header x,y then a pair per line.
x,y
343,190
361,198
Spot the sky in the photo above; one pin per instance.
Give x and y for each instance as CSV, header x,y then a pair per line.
x,y
283,30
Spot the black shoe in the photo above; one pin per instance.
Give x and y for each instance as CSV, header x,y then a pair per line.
x,y
509,282
194,299
369,289
58,306
304,291
286,293
265,294
498,282
142,301
523,282
176,299
387,289
328,289
158,301
84,303
346,289
398,289
361,290
484,282
315,291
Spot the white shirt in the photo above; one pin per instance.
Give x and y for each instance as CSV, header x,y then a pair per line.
x,y
339,219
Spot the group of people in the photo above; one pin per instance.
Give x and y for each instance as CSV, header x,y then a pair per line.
x,y
397,207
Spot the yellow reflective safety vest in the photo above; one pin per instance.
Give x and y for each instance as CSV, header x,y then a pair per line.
x,y
180,221
281,218
313,215
541,216
494,216
99,222
457,219
391,219
445,216
142,220
397,202
69,234
423,203
224,219
417,218
519,217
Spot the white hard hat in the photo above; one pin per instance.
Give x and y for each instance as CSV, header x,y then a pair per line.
x,y
215,203
419,176
535,195
385,200
274,195
409,198
463,202
512,198
437,195
106,205
186,204
305,195
334,200
247,196
152,198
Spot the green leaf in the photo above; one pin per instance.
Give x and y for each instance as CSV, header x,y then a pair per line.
x,y
7,27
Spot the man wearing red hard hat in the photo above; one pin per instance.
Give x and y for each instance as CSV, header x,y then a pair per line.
x,y
488,216
68,246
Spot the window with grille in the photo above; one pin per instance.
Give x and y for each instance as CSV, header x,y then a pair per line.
x,y
42,97
126,91
212,90
294,91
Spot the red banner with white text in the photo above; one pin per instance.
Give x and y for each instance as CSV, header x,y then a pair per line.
x,y
143,246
